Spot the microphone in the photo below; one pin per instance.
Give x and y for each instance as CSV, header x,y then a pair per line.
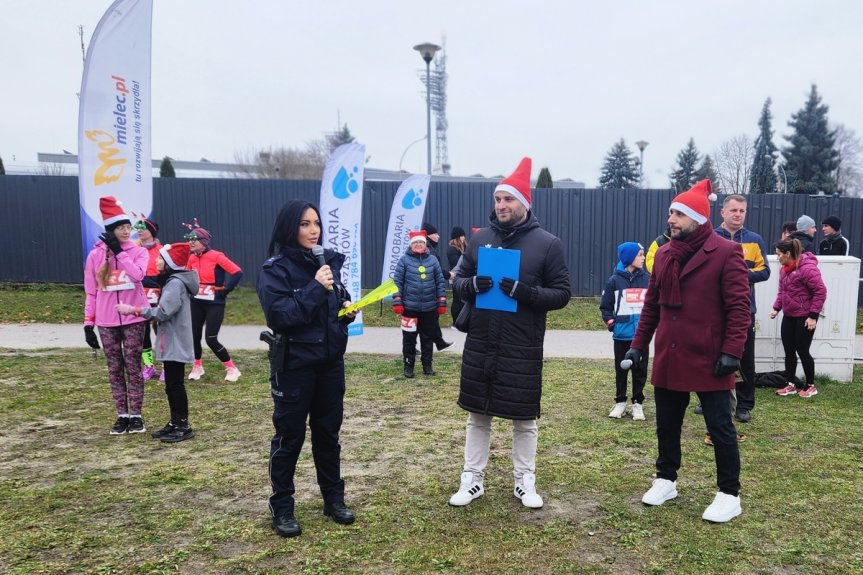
x,y
318,252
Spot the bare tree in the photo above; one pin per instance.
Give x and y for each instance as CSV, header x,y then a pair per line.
x,y
733,162
849,174
283,163
54,169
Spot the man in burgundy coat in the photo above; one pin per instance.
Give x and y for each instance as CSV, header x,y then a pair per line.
x,y
697,304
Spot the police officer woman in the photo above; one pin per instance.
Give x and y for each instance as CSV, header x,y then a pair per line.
x,y
301,297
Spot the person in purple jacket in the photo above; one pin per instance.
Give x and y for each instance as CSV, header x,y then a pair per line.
x,y
113,273
801,298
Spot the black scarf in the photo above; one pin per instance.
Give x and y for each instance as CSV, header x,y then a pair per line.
x,y
680,252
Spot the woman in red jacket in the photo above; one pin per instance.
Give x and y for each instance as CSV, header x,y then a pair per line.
x,y
801,298
217,276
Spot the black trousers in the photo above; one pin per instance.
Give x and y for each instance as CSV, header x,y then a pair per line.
x,y
639,373
796,340
670,409
457,304
746,387
428,329
315,393
175,389
212,315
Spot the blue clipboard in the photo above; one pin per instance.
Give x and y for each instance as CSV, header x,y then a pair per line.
x,y
497,263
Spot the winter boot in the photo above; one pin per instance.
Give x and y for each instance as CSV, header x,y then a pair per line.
x,y
409,367
427,369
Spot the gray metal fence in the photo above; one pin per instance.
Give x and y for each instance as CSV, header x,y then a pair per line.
x,y
40,222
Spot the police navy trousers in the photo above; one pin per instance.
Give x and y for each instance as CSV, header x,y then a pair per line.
x,y
315,393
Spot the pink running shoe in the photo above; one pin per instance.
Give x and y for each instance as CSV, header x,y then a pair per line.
x,y
148,373
808,392
162,375
787,390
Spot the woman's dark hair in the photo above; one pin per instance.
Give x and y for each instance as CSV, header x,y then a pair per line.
x,y
790,246
790,226
287,226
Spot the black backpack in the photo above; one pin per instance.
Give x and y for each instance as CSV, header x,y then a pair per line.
x,y
773,379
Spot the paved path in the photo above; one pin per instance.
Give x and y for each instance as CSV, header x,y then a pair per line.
x,y
558,343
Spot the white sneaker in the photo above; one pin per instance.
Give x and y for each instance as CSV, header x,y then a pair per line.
x,y
526,491
724,508
197,372
618,410
469,490
637,412
233,374
661,491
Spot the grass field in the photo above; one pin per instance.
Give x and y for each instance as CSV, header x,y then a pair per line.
x,y
77,500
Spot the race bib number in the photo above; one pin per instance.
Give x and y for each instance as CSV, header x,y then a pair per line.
x,y
632,301
118,281
206,292
409,324
152,295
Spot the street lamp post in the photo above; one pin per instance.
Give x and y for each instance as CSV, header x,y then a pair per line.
x,y
641,145
408,148
427,51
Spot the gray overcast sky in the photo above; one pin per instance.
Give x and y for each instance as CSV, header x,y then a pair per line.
x,y
559,81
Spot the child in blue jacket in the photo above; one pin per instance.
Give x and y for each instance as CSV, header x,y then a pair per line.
x,y
621,306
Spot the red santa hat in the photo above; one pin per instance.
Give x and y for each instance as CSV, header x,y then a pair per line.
x,y
518,183
112,212
175,255
418,236
694,202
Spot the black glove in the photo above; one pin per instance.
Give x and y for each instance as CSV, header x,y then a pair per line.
x,y
726,365
112,242
630,358
90,337
479,284
515,289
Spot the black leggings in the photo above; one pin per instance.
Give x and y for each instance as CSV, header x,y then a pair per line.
x,y
212,315
148,343
175,389
796,340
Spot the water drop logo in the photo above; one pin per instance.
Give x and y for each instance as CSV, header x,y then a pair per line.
x,y
413,199
345,184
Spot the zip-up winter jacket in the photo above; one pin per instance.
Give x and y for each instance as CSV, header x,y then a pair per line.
x,y
807,241
753,254
419,290
835,245
802,292
150,278
174,314
212,266
501,372
297,306
660,241
128,268
623,299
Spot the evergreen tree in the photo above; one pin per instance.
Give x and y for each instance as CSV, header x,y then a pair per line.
x,y
685,176
811,158
707,171
166,168
762,177
2,168
544,180
336,139
620,168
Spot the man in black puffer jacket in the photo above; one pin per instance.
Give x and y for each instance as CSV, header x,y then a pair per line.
x,y
501,372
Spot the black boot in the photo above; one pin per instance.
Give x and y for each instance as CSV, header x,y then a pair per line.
x,y
427,369
409,367
442,344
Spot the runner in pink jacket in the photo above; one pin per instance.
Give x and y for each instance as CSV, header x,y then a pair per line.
x,y
801,298
112,275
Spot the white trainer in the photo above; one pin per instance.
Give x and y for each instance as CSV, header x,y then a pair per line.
x,y
618,410
637,412
233,374
197,372
661,491
724,508
526,491
469,490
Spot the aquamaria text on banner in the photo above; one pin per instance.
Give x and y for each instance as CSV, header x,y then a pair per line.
x,y
114,148
406,216
341,211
